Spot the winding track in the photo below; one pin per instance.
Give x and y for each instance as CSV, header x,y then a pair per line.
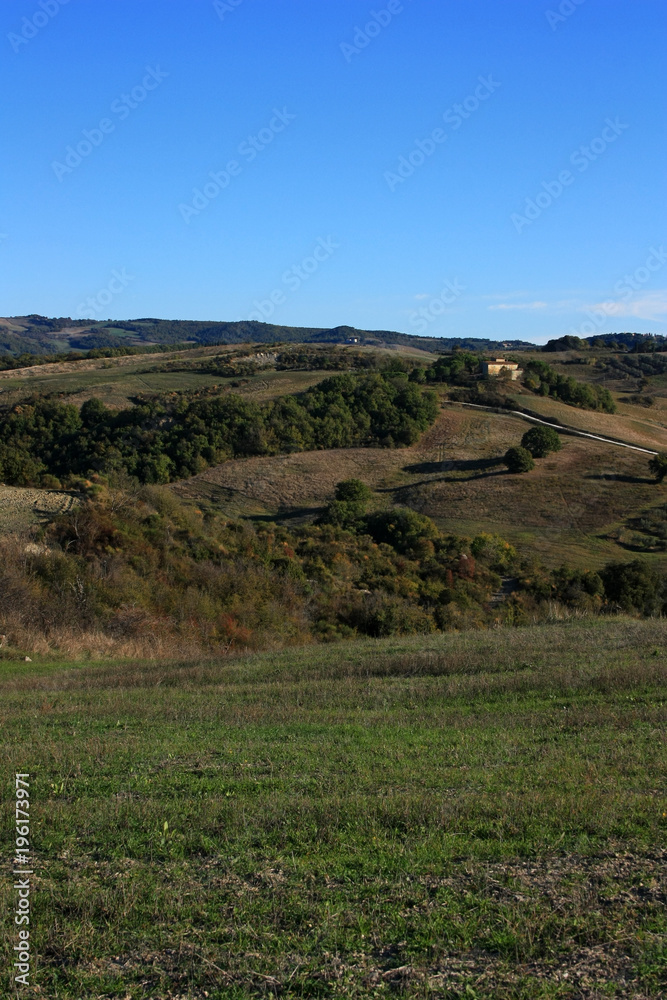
x,y
563,428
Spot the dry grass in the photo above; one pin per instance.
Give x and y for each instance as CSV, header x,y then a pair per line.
x,y
566,509
21,507
633,424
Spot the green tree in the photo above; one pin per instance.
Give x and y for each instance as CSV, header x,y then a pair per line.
x,y
658,466
518,459
402,528
635,586
540,441
349,507
353,490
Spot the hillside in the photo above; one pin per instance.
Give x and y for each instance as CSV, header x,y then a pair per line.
x,y
40,335
572,508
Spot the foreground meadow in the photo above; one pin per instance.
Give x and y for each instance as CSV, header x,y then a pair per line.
x,y
457,815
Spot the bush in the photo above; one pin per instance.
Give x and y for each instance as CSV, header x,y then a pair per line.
x,y
353,490
518,459
348,509
658,466
540,441
635,586
404,529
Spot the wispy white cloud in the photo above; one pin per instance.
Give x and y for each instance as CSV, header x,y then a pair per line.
x,y
651,306
520,305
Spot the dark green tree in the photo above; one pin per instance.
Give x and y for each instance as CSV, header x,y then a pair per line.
x,y
658,466
518,459
540,441
353,490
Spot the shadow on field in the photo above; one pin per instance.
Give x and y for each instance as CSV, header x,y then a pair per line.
x,y
295,514
452,465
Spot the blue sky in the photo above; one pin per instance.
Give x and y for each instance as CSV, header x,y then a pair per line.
x,y
489,168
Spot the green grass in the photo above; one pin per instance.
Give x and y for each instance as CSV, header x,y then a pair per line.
x,y
469,815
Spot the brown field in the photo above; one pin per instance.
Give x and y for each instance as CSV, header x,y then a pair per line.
x,y
567,509
634,424
21,506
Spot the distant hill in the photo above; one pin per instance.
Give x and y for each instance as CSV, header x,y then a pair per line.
x,y
631,341
42,335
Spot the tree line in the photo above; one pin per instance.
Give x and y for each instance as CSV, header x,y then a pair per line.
x,y
43,441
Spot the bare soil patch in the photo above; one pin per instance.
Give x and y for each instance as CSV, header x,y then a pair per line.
x,y
22,506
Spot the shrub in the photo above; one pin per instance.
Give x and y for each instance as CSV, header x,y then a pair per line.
x,y
348,509
658,466
353,490
635,586
404,529
540,441
518,459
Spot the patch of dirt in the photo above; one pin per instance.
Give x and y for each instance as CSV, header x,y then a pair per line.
x,y
22,506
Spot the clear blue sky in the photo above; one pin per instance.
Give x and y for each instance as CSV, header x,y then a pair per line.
x,y
479,233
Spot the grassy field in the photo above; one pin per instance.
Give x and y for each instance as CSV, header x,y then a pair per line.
x,y
116,381
464,815
572,507
634,424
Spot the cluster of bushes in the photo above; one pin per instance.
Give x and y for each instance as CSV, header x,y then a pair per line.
x,y
146,573
151,570
454,369
634,365
172,437
636,587
544,381
306,358
538,442
650,529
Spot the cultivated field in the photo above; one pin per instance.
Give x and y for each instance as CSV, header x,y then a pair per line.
x,y
116,381
21,507
463,815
